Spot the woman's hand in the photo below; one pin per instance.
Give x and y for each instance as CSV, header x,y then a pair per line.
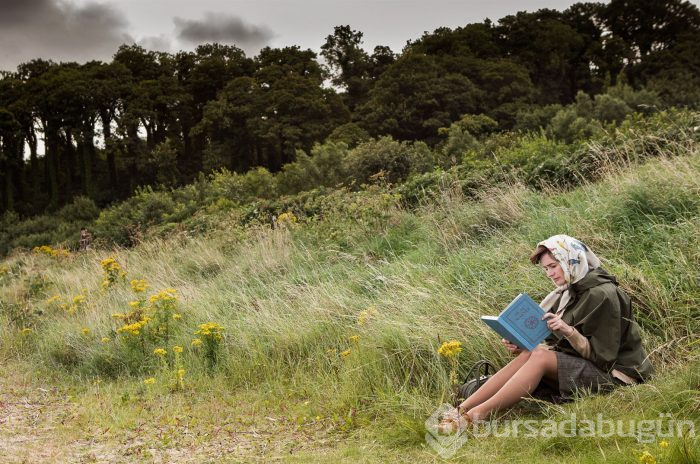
x,y
510,346
555,324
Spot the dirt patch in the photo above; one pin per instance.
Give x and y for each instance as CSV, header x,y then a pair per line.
x,y
46,425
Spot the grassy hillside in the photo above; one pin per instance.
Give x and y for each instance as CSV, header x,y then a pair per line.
x,y
331,323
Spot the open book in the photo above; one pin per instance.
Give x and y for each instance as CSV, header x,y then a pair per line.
x,y
521,323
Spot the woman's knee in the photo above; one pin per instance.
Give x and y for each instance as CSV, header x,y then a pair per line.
x,y
542,356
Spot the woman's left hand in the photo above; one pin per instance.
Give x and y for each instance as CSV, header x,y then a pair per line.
x,y
555,324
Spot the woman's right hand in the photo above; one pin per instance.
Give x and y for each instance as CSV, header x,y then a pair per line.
x,y
511,347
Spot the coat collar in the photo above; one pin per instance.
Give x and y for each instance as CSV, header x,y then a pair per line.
x,y
595,277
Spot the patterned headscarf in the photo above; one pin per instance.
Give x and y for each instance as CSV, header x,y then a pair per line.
x,y
574,258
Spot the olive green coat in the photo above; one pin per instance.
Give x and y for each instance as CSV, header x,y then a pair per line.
x,y
602,313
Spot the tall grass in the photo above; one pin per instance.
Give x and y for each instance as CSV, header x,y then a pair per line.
x,y
348,313
288,308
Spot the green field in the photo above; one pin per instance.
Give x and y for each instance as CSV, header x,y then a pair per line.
x,y
331,325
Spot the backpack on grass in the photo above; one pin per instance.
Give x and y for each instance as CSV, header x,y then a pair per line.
x,y
475,378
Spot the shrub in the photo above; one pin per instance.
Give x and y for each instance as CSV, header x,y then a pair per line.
x,y
567,126
349,134
298,176
393,160
535,118
328,159
80,210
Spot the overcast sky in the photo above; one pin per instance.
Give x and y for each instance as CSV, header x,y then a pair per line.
x,y
81,30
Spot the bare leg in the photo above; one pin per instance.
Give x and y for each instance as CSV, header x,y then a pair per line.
x,y
540,363
497,380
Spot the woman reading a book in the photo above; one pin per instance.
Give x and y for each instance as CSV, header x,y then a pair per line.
x,y
595,343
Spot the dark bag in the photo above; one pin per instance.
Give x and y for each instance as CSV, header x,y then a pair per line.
x,y
475,378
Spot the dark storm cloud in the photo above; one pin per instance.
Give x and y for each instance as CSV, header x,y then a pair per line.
x,y
59,30
221,28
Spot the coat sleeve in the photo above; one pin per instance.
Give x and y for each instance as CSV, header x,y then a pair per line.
x,y
600,324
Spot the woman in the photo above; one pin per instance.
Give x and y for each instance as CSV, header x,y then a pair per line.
x,y
595,343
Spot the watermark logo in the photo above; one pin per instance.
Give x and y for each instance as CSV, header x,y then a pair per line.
x,y
446,445
644,431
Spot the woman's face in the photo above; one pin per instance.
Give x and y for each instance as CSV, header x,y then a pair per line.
x,y
553,269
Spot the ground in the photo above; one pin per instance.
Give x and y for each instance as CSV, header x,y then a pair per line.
x,y
44,424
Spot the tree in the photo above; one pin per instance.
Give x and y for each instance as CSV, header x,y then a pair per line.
x,y
548,47
11,151
263,120
416,96
294,109
350,66
202,74
648,26
110,84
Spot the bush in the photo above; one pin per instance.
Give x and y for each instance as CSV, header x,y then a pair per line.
x,y
122,223
567,126
610,109
393,160
298,176
80,210
329,160
535,118
349,134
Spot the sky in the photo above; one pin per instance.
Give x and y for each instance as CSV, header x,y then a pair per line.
x,y
83,30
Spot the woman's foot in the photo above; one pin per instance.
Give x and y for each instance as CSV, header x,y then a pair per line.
x,y
453,421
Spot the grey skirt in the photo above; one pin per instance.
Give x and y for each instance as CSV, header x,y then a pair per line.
x,y
576,376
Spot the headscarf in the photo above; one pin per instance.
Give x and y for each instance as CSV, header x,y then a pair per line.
x,y
574,258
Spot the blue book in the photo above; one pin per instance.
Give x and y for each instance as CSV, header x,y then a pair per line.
x,y
521,323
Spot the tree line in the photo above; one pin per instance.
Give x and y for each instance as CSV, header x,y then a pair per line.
x,y
155,118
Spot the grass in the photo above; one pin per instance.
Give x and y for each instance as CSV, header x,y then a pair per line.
x,y
290,383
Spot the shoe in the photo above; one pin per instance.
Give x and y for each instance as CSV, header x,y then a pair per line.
x,y
453,421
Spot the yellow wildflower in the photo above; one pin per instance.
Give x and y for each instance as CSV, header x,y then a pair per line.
x,y
168,294
181,373
135,328
78,300
47,250
53,299
210,329
139,285
647,458
196,342
450,349
60,253
663,444
135,304
345,353
354,338
119,316
287,218
160,352
85,331
177,317
177,349
150,381
105,340
110,264
26,331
